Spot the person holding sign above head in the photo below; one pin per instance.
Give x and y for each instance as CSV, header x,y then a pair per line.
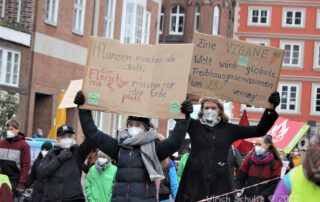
x,y
206,172
137,151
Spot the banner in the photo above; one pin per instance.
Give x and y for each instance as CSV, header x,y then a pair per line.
x,y
234,70
141,80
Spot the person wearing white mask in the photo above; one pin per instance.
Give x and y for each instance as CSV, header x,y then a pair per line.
x,y
62,167
262,164
207,172
100,179
137,150
35,184
15,158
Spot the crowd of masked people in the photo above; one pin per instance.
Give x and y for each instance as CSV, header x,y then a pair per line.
x,y
137,165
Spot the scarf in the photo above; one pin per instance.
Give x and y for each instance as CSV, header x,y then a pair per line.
x,y
210,123
146,141
100,168
311,163
265,158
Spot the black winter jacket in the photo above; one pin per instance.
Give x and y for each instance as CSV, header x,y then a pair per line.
x,y
132,179
206,172
64,178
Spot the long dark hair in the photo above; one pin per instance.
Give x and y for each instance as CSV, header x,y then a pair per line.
x,y
267,139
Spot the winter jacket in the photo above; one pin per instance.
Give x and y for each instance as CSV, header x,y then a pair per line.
x,y
64,178
15,160
99,187
5,189
255,170
296,187
207,172
182,164
36,183
132,180
170,184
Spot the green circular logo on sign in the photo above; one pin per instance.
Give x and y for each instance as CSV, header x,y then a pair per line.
x,y
174,107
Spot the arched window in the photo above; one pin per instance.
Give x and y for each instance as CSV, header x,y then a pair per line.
x,y
177,20
216,20
197,18
161,20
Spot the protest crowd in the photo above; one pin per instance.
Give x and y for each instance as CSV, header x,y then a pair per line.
x,y
138,164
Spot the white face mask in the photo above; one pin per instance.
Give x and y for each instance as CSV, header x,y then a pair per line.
x,y
133,131
210,115
259,150
10,134
102,161
44,152
67,142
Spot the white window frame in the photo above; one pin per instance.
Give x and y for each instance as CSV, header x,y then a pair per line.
x,y
147,23
313,112
52,17
3,8
129,31
294,10
196,17
109,19
298,97
98,119
177,15
78,21
316,57
318,18
3,67
19,11
301,53
161,22
117,122
216,20
252,8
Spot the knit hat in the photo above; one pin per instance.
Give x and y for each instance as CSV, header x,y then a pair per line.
x,y
144,121
47,146
100,154
311,162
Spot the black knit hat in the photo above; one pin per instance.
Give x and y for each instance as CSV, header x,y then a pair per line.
x,y
144,121
47,146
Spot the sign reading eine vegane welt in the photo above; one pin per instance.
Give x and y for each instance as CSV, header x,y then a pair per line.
x,y
135,79
234,70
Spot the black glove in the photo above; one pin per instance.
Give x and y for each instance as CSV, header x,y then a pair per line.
x,y
186,108
65,155
79,99
20,189
274,99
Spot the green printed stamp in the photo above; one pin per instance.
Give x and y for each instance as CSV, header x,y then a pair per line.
x,y
175,107
243,60
93,98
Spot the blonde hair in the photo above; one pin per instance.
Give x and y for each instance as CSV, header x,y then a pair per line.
x,y
203,100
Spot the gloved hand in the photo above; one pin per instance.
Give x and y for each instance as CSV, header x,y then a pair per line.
x,y
79,99
20,189
274,99
65,155
186,108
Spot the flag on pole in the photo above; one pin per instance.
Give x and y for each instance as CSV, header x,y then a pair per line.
x,y
243,146
61,117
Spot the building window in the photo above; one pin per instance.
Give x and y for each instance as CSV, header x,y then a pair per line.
x,y
2,8
177,20
51,16
315,99
289,94
197,18
11,10
161,20
264,42
147,28
134,17
9,67
98,119
293,53
259,16
78,16
292,17
109,19
216,20
316,61
318,18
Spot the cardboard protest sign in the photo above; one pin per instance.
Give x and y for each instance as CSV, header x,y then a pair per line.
x,y
141,80
286,133
234,70
68,98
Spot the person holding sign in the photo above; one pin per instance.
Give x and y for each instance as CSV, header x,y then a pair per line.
x,y
137,152
206,172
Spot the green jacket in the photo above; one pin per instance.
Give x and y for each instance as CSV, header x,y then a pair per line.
x,y
99,187
182,163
